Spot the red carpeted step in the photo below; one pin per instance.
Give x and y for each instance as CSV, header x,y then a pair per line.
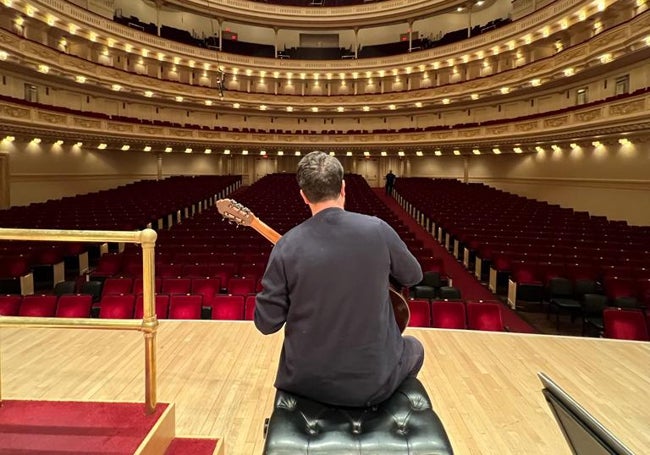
x,y
194,446
48,427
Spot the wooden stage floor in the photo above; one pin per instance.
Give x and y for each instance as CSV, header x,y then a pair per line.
x,y
220,376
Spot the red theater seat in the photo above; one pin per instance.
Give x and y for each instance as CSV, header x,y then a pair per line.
x,y
74,306
161,301
420,313
484,316
448,314
10,305
625,324
38,305
185,306
117,306
228,307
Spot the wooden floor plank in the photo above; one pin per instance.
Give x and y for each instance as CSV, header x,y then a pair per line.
x,y
220,376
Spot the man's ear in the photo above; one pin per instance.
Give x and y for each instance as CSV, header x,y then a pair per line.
x,y
304,198
343,188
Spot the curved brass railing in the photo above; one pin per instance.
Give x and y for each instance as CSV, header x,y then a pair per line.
x,y
149,323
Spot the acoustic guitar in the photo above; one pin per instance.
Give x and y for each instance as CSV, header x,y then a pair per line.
x,y
242,216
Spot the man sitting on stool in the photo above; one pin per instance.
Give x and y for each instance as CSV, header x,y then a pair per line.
x,y
327,279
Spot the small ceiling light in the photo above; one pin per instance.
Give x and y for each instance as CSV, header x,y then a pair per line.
x,y
418,104
517,150
244,152
392,107
437,153
80,79
236,105
474,96
102,146
624,141
505,90
125,147
9,138
226,152
496,151
43,69
116,87
348,153
58,143
556,148
400,153
208,102
569,72
36,140
263,107
179,99
536,82
147,148
79,144
207,151
314,109
297,153
366,108
476,152
366,153
446,101
289,108
168,149
188,150
606,58
3,55
456,152
332,154
573,145
539,149
340,109
383,153
418,153
148,93
280,153
596,144
262,152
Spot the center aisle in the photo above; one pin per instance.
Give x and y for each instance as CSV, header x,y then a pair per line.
x,y
470,287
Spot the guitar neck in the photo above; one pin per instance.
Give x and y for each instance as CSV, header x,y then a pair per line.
x,y
265,230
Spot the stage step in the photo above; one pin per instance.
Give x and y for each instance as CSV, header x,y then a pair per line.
x,y
195,446
79,427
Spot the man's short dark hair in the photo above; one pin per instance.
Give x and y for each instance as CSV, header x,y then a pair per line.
x,y
320,176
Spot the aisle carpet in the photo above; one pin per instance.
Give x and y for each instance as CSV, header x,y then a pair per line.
x,y
470,287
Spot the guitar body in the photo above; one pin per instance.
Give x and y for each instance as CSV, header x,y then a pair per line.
x,y
238,214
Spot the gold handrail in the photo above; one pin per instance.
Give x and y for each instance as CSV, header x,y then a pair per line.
x,y
149,323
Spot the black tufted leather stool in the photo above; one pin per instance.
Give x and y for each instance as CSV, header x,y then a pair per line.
x,y
404,424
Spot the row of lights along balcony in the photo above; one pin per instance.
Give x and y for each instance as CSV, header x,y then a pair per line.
x,y
436,152
579,15
536,82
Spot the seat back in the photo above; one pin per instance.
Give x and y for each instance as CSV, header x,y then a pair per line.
x,y
625,324
448,314
420,310
185,306
117,286
65,287
230,307
10,304
38,305
484,316
74,306
115,306
560,287
176,286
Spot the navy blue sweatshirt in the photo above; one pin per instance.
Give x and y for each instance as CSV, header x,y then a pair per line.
x,y
327,279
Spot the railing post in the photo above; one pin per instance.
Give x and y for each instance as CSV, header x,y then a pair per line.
x,y
150,322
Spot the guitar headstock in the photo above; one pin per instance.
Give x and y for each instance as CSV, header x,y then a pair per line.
x,y
235,212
